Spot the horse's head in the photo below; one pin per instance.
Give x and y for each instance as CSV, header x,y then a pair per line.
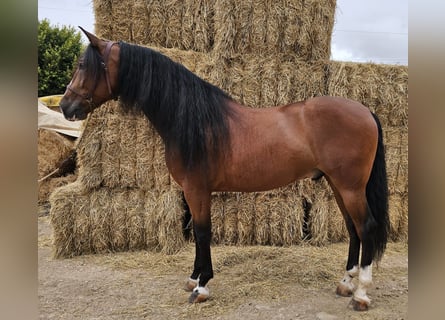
x,y
94,81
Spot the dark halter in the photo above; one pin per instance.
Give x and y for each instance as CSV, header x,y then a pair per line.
x,y
89,96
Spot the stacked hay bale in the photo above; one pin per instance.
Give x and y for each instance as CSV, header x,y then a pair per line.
x,y
124,198
52,149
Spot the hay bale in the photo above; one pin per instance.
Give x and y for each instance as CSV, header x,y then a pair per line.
x,y
224,27
218,215
128,151
119,240
47,186
261,213
171,211
144,154
119,219
151,218
246,218
89,149
64,201
382,88
292,225
52,149
111,147
173,24
267,27
230,218
135,222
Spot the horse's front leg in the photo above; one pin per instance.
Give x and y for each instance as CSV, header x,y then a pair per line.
x,y
199,203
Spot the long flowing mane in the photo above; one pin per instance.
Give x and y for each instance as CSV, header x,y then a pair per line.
x,y
190,114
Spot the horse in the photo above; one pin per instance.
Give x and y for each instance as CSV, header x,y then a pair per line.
x,y
212,143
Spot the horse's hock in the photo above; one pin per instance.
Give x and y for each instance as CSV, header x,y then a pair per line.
x,y
262,55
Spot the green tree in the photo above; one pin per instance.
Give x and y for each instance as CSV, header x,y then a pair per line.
x,y
58,51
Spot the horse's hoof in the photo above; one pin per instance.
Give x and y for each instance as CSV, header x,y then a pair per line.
x,y
359,305
343,291
199,294
190,285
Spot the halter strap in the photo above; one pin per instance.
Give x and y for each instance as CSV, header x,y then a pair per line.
x,y
110,44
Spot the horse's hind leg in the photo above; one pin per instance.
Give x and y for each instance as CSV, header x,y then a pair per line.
x,y
356,205
345,288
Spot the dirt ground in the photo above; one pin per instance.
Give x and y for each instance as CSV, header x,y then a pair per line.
x,y
250,283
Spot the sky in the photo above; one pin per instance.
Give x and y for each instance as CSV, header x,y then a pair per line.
x,y
364,31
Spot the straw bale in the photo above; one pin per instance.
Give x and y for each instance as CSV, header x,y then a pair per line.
x,y
135,225
99,216
253,69
218,216
144,152
276,213
398,215
102,11
151,218
173,24
396,149
128,151
269,84
52,149
118,219
230,218
292,220
204,25
47,186
382,88
170,211
90,149
111,136
161,174
279,80
246,218
224,27
66,204
173,14
262,217
268,27
188,22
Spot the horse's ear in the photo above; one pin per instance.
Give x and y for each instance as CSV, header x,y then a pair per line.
x,y
95,41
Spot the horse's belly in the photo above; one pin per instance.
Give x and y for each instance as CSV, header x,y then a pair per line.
x,y
264,177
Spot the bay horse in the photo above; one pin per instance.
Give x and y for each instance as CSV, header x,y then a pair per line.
x,y
212,143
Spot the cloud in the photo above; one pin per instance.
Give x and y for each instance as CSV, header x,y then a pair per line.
x,y
371,31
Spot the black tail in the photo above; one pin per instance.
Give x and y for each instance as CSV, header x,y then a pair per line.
x,y
377,223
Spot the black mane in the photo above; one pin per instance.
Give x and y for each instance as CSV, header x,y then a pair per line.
x,y
189,113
